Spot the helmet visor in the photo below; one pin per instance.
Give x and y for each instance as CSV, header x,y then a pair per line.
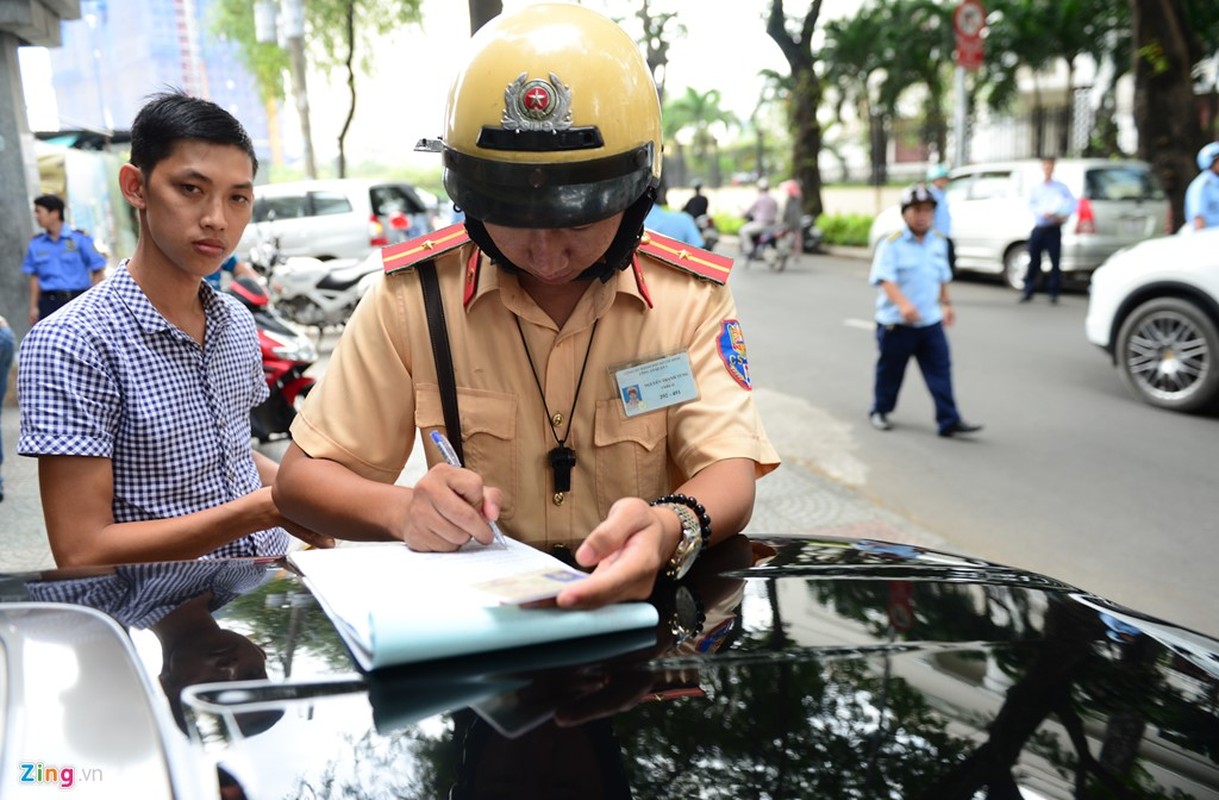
x,y
550,195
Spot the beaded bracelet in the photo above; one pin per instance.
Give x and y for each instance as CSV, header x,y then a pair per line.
x,y
704,521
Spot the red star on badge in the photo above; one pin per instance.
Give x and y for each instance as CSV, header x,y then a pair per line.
x,y
537,99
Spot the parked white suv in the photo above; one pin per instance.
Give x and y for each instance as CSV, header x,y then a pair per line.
x,y
1120,203
326,219
1154,308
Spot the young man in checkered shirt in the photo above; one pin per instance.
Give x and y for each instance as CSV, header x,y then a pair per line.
x,y
136,396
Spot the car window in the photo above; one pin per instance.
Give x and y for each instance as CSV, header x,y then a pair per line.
x,y
287,207
328,203
1127,182
958,188
388,199
989,185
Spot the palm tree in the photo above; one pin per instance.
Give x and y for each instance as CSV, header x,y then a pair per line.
x,y
699,113
856,53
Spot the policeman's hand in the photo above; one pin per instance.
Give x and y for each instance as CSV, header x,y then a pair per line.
x,y
33,315
627,550
909,312
449,506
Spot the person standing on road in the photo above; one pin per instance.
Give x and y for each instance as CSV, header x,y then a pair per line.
x,y
62,263
136,396
912,308
937,184
760,217
1202,196
555,303
1052,204
7,344
674,224
698,204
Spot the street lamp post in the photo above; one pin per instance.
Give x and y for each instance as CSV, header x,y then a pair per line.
x,y
291,36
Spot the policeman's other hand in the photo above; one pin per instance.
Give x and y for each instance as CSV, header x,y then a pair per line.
x,y
449,506
626,550
909,312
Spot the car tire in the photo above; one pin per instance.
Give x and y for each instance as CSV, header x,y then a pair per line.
x,y
1016,265
1166,353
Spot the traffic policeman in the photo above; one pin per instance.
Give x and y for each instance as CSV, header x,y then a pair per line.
x,y
554,302
61,262
912,307
1202,196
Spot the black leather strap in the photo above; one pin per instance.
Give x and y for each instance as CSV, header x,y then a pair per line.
x,y
441,354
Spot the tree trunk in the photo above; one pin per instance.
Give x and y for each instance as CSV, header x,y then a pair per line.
x,y
805,99
351,88
1164,111
482,12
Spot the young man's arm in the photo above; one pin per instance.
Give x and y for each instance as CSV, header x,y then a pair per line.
x,y
77,496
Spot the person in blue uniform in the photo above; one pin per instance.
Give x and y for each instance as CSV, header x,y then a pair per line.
x,y
674,224
912,307
1052,204
1202,196
937,184
61,262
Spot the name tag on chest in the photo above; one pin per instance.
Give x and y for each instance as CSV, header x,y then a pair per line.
x,y
656,384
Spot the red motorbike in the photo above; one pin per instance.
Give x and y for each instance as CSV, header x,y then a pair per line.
x,y
287,352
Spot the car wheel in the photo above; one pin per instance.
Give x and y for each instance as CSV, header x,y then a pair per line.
x,y
1166,352
1016,265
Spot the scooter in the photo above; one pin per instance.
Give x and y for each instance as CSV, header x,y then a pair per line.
x,y
773,246
711,234
322,294
287,352
812,239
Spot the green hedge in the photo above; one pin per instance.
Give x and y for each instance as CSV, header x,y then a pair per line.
x,y
842,229
845,229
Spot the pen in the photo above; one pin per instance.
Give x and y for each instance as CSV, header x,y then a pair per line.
x,y
450,457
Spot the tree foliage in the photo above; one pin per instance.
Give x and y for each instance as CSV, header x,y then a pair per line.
x,y
338,33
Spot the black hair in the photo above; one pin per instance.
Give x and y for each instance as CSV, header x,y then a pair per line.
x,y
169,117
50,202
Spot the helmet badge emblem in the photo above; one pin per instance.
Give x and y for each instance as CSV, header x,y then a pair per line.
x,y
537,105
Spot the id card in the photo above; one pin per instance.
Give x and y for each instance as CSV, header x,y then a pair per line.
x,y
653,385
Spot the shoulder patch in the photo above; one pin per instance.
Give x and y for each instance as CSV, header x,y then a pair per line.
x,y
897,234
701,263
406,255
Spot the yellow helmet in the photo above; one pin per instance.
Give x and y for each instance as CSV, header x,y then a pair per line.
x,y
553,122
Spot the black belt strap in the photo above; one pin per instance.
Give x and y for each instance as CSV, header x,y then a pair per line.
x,y
441,355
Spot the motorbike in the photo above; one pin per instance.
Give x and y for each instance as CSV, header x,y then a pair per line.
x,y
710,233
812,239
322,294
287,352
772,246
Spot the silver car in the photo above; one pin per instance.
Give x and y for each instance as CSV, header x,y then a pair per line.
x,y
1120,203
341,218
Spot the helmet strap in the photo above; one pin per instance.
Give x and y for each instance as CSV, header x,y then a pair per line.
x,y
617,256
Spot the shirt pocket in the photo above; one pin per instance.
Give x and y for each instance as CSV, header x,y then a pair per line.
x,y
488,431
632,457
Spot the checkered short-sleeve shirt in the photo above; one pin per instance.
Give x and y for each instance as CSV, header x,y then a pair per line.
x,y
108,376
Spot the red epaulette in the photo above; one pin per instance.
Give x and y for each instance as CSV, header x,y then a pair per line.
x,y
695,260
402,256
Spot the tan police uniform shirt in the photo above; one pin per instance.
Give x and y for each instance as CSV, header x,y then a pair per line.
x,y
381,385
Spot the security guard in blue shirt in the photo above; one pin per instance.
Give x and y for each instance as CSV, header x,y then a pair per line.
x,y
62,263
1202,196
912,308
